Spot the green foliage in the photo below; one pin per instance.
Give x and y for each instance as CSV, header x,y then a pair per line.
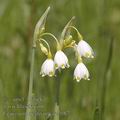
x,y
97,20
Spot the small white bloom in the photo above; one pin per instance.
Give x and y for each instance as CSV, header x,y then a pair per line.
x,y
61,60
47,68
84,49
81,72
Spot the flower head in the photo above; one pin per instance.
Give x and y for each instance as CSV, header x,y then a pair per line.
x,y
47,68
81,72
84,49
61,60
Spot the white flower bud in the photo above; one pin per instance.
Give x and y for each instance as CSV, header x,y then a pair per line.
x,y
84,49
61,60
48,68
81,72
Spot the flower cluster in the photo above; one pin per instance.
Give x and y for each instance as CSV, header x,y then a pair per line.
x,y
83,49
60,60
49,66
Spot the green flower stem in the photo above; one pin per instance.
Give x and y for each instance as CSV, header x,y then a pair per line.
x,y
30,94
49,54
57,109
57,90
49,34
41,39
79,35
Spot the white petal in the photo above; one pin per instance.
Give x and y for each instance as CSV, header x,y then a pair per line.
x,y
81,72
47,68
84,49
61,59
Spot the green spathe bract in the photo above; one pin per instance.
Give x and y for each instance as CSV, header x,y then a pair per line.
x,y
40,25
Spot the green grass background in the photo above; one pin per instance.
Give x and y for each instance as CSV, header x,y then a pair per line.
x,y
97,20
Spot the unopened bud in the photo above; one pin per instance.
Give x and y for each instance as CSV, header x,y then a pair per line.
x,y
68,40
43,49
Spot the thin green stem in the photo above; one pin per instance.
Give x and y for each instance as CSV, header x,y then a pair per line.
x,y
27,117
41,39
57,109
50,34
57,90
48,52
79,35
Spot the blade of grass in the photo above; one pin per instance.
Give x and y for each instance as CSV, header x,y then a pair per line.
x,y
104,82
101,10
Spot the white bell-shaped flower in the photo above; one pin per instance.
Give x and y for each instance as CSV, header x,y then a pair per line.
x,y
48,68
61,60
81,72
84,49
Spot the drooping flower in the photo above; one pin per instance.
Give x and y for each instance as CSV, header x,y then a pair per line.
x,y
61,60
84,49
48,68
81,72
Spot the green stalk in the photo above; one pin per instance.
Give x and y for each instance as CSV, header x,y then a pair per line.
x,y
104,82
30,94
39,28
65,34
57,109
101,10
99,113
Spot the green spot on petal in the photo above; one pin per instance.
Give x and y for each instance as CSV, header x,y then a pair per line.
x,y
89,55
92,56
63,66
43,75
51,74
78,79
56,65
